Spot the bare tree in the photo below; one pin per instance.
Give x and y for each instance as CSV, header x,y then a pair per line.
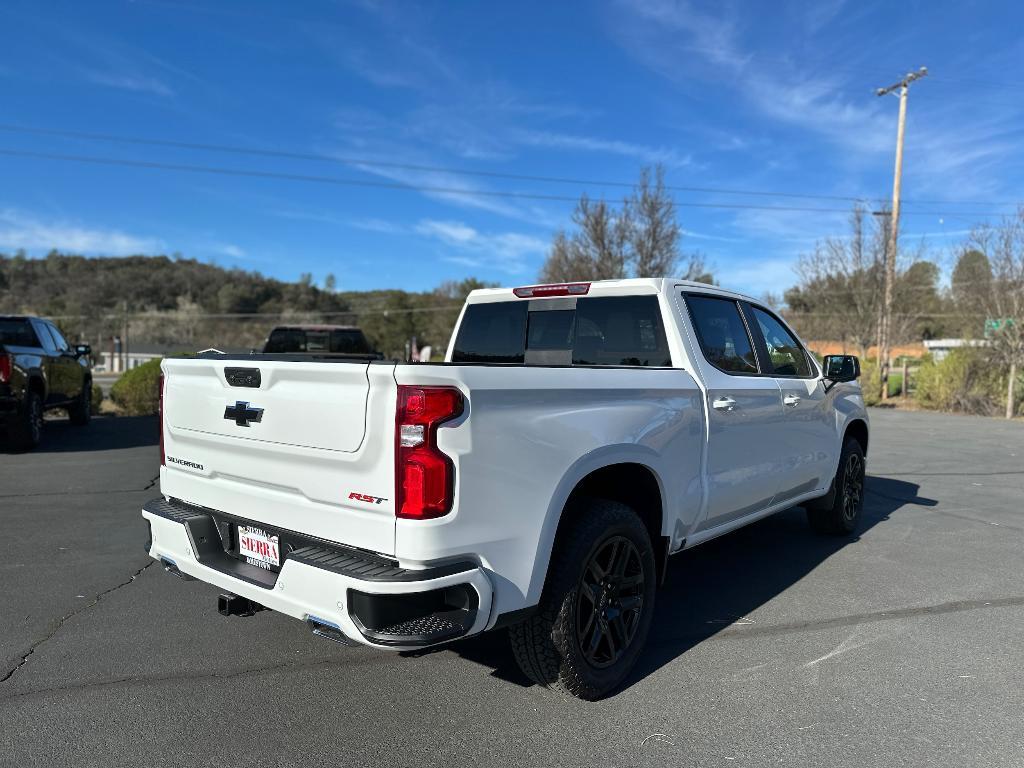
x,y
697,269
840,290
1003,302
640,238
839,294
566,263
603,238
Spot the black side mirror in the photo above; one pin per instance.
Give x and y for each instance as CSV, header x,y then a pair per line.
x,y
840,368
83,350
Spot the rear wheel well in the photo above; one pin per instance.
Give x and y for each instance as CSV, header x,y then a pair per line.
x,y
634,485
858,430
35,384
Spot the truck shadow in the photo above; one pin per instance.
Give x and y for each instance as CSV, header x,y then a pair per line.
x,y
717,584
102,434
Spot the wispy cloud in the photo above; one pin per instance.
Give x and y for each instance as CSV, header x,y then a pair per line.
x,y
506,251
688,44
229,249
19,229
380,226
682,42
754,277
130,82
665,155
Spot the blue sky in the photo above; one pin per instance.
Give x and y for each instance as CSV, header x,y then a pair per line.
x,y
773,97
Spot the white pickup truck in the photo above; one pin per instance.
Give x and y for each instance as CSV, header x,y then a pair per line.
x,y
575,437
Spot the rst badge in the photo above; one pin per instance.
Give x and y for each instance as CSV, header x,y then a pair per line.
x,y
365,497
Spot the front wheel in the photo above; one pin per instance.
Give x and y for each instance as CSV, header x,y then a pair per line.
x,y
842,514
80,412
595,613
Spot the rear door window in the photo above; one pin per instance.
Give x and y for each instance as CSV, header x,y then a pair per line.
x,y
58,339
45,337
722,334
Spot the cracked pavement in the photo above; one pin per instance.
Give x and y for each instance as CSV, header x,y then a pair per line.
x,y
772,646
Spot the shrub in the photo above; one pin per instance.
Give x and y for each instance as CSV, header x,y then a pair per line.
x,y
137,393
870,381
97,397
965,380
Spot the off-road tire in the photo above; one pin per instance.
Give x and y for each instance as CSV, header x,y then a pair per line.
x,y
80,412
841,511
546,646
27,431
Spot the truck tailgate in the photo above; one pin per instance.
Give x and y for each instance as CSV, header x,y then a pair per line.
x,y
302,451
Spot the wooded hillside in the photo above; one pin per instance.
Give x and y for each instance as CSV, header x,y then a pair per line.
x,y
182,301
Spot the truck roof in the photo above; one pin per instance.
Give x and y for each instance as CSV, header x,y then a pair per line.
x,y
625,287
314,327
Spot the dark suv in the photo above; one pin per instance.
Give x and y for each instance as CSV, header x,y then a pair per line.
x,y
39,370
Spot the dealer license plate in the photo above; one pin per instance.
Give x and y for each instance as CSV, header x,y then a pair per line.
x,y
258,547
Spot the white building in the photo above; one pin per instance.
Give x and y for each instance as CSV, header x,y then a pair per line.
x,y
939,348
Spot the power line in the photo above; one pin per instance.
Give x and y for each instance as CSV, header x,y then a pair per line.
x,y
455,191
358,161
294,315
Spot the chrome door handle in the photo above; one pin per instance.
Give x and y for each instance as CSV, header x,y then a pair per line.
x,y
791,400
723,403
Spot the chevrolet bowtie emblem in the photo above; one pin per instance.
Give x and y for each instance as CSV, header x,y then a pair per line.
x,y
243,414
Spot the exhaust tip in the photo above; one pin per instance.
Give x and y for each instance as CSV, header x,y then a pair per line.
x,y
329,630
172,568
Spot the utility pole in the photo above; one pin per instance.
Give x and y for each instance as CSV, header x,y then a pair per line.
x,y
903,86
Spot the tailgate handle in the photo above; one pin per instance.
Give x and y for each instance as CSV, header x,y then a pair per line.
x,y
243,377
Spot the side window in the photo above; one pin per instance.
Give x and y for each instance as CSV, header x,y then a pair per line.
x,y
62,345
45,337
786,354
492,333
723,336
620,331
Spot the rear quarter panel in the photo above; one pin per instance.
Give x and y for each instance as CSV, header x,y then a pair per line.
x,y
528,436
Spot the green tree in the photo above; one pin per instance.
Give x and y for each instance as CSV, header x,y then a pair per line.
x,y
970,285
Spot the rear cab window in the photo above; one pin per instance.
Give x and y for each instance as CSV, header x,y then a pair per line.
x,y
315,340
585,331
17,333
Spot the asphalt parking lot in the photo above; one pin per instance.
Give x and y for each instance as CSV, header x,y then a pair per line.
x,y
771,646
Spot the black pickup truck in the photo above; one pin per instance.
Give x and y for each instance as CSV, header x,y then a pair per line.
x,y
39,371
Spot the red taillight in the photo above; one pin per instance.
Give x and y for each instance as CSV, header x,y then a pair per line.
x,y
5,368
424,477
160,408
540,291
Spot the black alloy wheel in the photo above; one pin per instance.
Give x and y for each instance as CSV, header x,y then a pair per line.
x,y
609,602
853,487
